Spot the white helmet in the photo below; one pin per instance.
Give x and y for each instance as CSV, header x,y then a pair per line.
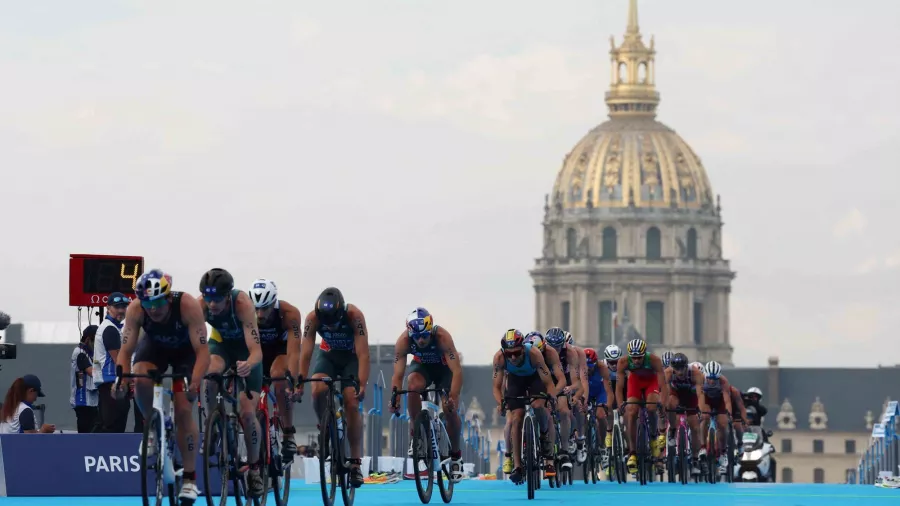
x,y
712,370
264,293
754,390
696,365
612,352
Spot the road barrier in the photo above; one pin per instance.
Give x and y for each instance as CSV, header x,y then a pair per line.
x,y
882,457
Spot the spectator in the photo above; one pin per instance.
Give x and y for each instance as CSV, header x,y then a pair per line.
x,y
84,395
113,412
17,417
4,320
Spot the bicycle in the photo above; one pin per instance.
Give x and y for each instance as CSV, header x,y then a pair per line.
x,y
430,432
531,454
159,425
279,471
334,447
644,457
563,476
712,449
226,450
592,465
617,460
680,461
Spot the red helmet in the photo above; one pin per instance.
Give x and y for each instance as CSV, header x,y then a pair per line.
x,y
591,355
512,339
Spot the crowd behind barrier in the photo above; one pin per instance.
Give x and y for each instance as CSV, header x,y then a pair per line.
x,y
882,457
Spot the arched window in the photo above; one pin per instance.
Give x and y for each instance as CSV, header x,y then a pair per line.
x,y
818,475
787,475
654,244
571,242
610,246
642,73
692,244
623,73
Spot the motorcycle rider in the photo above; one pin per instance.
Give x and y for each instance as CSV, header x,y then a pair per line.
x,y
752,398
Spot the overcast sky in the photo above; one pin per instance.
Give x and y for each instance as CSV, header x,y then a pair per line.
x,y
401,150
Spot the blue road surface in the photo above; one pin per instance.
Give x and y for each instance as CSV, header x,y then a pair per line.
x,y
476,492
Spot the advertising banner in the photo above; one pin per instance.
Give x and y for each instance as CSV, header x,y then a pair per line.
x,y
75,465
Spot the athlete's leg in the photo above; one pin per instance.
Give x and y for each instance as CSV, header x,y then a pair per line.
x,y
443,379
286,414
516,416
415,380
218,362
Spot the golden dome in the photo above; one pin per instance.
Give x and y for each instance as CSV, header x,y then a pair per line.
x,y
632,160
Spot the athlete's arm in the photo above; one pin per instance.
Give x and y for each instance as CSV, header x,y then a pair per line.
x,y
307,343
701,395
445,342
246,313
193,317
537,359
572,358
607,385
726,394
669,373
740,404
134,317
401,350
290,322
657,364
555,364
622,368
358,320
582,358
498,377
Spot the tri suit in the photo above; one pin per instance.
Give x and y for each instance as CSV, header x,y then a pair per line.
x,y
641,379
272,337
685,389
227,341
167,343
336,355
429,361
596,390
714,398
522,379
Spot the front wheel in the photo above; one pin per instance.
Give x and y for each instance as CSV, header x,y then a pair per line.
x,y
423,454
529,451
444,473
328,468
215,458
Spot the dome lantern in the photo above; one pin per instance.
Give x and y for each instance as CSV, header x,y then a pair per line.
x,y
632,89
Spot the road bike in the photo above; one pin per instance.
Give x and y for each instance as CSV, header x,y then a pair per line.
x,y
278,468
563,474
532,459
593,463
646,461
430,433
617,462
221,443
679,462
712,449
159,450
334,446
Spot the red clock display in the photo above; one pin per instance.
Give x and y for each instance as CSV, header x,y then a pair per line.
x,y
93,277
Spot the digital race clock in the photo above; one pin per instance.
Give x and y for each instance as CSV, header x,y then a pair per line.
x,y
93,277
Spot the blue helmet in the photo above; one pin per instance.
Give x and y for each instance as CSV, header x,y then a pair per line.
x,y
152,285
555,337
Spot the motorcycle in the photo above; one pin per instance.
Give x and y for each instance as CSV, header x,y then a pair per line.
x,y
755,464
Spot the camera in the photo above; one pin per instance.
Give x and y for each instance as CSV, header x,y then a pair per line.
x,y
7,351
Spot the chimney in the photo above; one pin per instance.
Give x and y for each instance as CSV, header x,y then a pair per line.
x,y
774,393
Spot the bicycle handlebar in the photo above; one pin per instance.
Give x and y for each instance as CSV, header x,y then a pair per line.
x,y
331,381
526,398
219,379
287,377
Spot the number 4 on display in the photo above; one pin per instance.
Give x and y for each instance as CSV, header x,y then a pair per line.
x,y
133,276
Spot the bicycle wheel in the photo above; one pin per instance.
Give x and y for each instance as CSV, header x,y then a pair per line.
x,y
729,454
215,456
236,462
588,464
279,470
443,443
641,453
712,461
684,456
341,453
618,460
151,459
528,454
328,468
423,458
265,457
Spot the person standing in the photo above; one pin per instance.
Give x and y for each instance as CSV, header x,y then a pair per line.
x,y
113,415
81,381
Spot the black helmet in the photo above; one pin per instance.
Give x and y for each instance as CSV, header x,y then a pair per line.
x,y
216,282
330,307
679,361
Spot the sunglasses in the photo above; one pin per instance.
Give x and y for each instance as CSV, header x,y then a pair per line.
x,y
118,301
214,298
154,304
513,353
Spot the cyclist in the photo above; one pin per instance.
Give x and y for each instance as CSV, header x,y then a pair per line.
x,y
738,424
167,328
527,375
753,398
611,356
557,339
235,343
551,358
645,376
435,361
711,386
279,336
344,352
682,380
599,391
580,399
